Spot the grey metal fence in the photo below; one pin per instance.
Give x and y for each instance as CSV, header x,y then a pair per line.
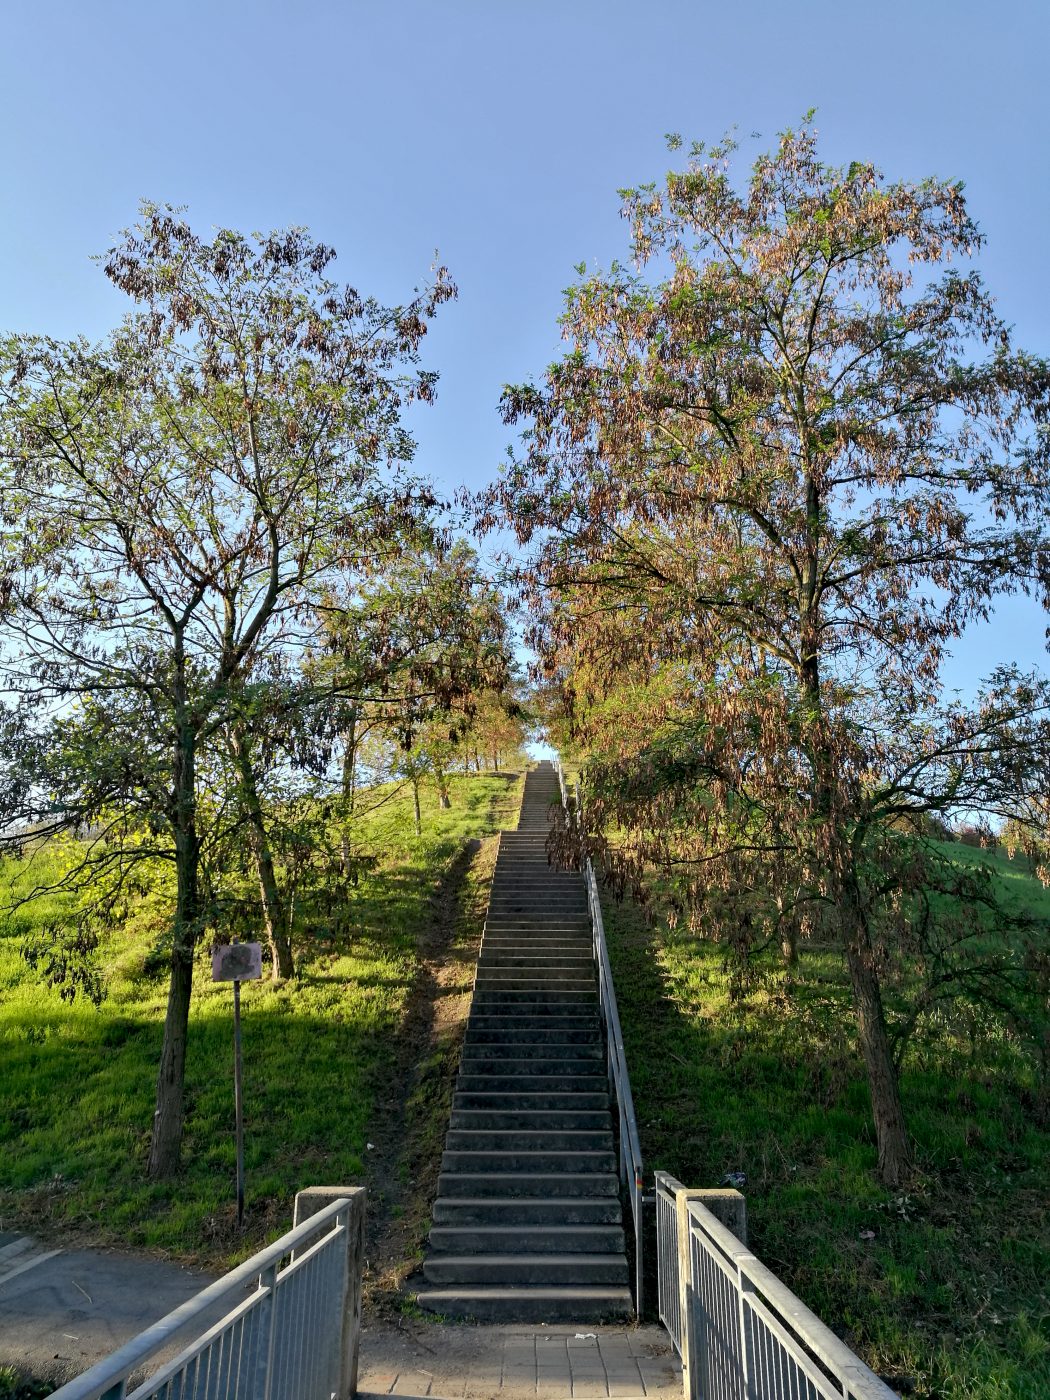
x,y
742,1334
668,1285
631,1175
290,1332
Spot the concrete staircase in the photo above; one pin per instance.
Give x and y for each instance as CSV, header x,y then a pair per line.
x,y
527,1221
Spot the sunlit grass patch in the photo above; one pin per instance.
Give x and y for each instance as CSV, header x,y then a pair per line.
x,y
76,1092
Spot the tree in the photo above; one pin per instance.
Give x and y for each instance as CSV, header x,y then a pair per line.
x,y
176,501
764,494
497,728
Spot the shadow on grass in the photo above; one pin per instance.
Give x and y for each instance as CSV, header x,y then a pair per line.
x,y
938,1286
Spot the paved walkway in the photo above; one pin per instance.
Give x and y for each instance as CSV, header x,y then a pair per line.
x,y
546,1362
62,1310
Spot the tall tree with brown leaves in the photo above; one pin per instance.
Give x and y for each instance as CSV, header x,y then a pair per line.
x,y
764,493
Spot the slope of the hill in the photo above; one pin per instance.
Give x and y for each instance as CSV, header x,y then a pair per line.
x,y
941,1287
323,1055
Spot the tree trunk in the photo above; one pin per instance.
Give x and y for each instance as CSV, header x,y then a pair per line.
x,y
789,947
441,778
415,806
887,1110
166,1140
891,1133
282,963
349,787
350,759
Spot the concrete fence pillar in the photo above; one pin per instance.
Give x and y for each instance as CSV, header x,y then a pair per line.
x,y
730,1208
309,1202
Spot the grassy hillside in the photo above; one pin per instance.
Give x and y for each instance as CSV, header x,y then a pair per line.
x,y
941,1287
76,1089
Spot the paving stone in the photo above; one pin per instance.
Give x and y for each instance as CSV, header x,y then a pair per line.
x,y
553,1390
378,1382
587,1388
658,1376
623,1370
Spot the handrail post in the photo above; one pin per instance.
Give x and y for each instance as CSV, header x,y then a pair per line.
x,y
351,1311
352,1219
262,1361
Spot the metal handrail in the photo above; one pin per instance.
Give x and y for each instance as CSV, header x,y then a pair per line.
x,y
631,1172
668,1285
108,1379
739,1329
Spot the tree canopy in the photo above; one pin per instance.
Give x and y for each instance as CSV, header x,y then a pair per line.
x,y
179,504
763,491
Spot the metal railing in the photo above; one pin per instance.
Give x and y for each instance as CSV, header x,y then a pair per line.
x,y
290,1336
668,1284
741,1333
631,1177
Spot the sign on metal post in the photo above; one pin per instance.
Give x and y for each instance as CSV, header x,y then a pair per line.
x,y
237,962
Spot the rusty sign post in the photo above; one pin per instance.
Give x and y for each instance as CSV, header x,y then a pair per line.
x,y
237,962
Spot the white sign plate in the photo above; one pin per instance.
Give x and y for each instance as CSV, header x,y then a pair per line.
x,y
236,962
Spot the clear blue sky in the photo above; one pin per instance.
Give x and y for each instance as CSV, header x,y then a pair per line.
x,y
497,133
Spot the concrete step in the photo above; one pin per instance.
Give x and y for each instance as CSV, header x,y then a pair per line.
x,y
525,1239
553,1032
507,997
572,976
537,1213
509,868
535,1067
513,957
572,935
520,878
526,909
499,1080
544,1100
526,1268
540,933
532,1020
590,1303
578,940
530,1139
521,1013
536,1160
527,1183
517,1120
547,1048
488,982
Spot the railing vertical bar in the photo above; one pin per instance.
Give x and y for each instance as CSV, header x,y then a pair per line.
x,y
310,1337
233,1352
209,1359
330,1289
304,1321
292,1325
340,1292
286,1329
319,1371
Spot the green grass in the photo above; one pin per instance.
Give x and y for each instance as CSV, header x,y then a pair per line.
x,y
76,1092
950,1295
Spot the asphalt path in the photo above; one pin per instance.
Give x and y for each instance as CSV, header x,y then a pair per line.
x,y
61,1310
